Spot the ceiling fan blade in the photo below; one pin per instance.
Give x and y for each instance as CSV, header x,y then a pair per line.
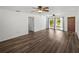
x,y
46,10
34,10
44,7
41,9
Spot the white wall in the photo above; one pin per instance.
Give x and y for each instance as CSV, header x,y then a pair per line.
x,y
77,24
12,24
39,23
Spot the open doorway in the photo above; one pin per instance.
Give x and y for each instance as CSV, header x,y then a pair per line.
x,y
30,24
56,23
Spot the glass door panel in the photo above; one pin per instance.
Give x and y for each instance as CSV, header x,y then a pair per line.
x,y
51,23
62,23
59,23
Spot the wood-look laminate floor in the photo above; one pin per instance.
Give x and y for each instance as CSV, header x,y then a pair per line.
x,y
45,41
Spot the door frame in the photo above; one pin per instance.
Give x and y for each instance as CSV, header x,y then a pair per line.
x,y
32,30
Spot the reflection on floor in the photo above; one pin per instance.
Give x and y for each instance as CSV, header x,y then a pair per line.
x,y
45,41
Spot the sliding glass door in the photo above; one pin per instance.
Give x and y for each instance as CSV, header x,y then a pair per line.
x,y
56,23
51,23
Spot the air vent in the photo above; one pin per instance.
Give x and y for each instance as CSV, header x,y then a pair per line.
x,y
18,11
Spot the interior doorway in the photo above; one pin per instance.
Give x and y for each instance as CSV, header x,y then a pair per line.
x,y
56,23
30,24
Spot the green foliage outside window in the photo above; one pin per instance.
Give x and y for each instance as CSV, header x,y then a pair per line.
x,y
51,23
58,22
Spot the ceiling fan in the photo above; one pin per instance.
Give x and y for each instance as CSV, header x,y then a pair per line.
x,y
41,9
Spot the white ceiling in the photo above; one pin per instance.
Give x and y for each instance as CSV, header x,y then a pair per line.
x,y
52,9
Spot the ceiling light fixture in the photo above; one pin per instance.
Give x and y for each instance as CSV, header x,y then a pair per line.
x,y
40,11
